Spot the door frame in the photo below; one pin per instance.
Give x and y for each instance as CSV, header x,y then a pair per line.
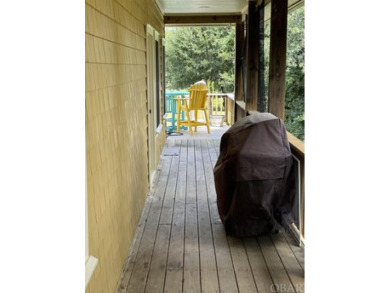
x,y
153,90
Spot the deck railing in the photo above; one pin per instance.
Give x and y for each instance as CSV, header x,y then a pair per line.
x,y
298,150
171,111
220,105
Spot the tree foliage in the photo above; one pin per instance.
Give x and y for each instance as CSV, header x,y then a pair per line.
x,y
295,71
195,53
295,74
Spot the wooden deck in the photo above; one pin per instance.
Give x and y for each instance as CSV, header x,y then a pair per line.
x,y
181,245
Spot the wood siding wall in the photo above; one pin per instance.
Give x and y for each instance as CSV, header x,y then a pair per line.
x,y
116,129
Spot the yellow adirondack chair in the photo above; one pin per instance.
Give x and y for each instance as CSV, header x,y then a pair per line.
x,y
196,102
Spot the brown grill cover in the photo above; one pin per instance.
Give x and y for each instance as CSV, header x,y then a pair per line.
x,y
254,180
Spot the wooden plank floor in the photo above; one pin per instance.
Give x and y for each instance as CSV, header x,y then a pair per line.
x,y
181,246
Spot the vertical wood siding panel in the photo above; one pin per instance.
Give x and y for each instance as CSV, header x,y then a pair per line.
x,y
116,129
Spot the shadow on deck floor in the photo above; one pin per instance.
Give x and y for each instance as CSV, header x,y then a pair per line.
x,y
181,246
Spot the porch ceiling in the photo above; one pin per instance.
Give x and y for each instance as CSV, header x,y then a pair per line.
x,y
203,7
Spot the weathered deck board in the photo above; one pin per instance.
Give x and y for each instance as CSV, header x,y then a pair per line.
x,y
191,178
275,266
161,177
129,265
242,268
174,274
191,282
167,208
213,151
191,251
259,267
156,277
299,252
141,268
294,270
181,245
227,279
209,274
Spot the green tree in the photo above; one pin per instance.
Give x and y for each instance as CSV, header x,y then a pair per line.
x,y
295,74
195,53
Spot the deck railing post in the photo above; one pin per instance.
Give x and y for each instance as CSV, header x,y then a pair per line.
x,y
252,73
239,78
277,63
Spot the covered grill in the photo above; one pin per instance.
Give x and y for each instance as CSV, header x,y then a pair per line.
x,y
254,178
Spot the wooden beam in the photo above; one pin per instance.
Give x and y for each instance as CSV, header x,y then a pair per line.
x,y
201,19
239,82
277,63
292,4
252,74
261,100
239,78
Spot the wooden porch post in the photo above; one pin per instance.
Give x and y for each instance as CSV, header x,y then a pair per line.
x,y
261,101
252,73
277,63
239,78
